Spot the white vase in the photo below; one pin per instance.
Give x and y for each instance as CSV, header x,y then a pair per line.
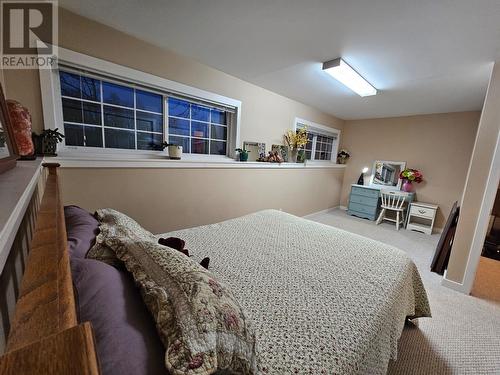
x,y
175,152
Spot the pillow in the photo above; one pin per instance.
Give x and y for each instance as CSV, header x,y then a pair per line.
x,y
121,225
199,321
81,230
126,339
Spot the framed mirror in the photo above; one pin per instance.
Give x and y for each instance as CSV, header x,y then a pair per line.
x,y
8,151
386,173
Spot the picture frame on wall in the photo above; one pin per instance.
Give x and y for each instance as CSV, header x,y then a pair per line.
x,y
256,149
8,149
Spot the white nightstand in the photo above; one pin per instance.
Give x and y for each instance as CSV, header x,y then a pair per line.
x,y
421,217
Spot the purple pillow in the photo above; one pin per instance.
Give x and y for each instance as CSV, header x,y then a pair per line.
x,y
126,338
81,230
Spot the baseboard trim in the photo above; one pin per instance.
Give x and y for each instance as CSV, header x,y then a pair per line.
x,y
320,212
459,287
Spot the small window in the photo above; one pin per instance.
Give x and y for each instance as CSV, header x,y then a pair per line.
x,y
322,141
199,129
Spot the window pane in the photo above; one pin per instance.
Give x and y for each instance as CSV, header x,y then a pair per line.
x,y
219,132
217,148
199,146
200,113
72,110
178,126
70,84
149,141
177,107
117,94
218,117
116,138
118,117
199,129
308,155
148,101
149,122
91,113
73,135
93,136
91,89
180,141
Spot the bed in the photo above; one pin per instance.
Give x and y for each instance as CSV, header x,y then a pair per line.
x,y
321,300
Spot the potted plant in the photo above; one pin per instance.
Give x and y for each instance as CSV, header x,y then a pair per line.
x,y
50,139
174,151
343,156
295,140
409,176
242,153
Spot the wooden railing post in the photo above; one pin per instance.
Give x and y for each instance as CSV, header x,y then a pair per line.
x,y
45,337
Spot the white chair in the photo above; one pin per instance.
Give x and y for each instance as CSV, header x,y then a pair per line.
x,y
393,201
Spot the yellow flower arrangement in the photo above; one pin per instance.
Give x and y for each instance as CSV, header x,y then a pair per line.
x,y
296,139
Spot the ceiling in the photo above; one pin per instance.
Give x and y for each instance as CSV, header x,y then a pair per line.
x,y
425,56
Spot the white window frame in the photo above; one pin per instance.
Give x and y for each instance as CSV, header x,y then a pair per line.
x,y
323,130
53,114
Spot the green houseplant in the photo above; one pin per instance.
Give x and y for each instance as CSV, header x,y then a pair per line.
x,y
50,139
243,154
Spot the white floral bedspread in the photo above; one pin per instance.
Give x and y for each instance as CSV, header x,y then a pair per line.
x,y
322,300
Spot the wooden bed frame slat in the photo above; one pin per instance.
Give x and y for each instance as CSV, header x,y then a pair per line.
x,y
68,352
45,337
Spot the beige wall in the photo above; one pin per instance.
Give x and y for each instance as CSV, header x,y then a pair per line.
x,y
439,145
168,199
477,179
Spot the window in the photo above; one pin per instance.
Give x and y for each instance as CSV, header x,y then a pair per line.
x,y
197,128
105,108
98,113
322,142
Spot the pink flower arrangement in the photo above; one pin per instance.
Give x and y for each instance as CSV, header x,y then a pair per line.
x,y
412,175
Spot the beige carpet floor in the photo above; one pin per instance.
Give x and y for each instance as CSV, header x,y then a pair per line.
x,y
463,335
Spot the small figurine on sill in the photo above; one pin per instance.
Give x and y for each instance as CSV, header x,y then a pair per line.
x,y
273,157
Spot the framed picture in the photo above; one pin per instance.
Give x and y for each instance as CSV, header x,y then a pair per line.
x,y
256,149
8,150
283,150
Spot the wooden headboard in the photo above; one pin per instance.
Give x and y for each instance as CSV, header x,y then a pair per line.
x,y
45,337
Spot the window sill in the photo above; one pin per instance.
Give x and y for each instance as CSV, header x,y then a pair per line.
x,y
192,162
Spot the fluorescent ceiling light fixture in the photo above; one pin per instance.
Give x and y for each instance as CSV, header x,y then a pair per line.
x,y
346,75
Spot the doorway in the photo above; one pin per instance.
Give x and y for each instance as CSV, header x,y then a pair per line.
x,y
487,280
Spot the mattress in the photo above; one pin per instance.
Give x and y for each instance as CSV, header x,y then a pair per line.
x,y
322,300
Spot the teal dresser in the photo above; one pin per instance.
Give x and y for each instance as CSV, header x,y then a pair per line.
x,y
364,201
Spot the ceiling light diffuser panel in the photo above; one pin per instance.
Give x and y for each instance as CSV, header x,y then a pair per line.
x,y
346,75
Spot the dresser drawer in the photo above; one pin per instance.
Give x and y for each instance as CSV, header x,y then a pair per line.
x,y
370,210
364,191
422,211
363,199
